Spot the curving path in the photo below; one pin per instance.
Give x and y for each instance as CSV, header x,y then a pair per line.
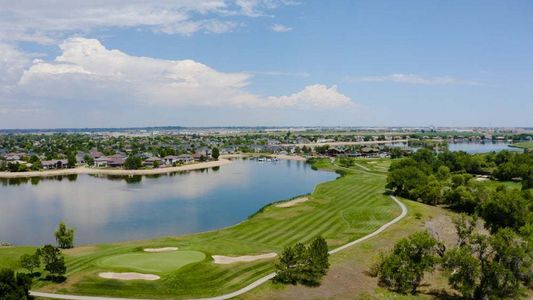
x,y
253,284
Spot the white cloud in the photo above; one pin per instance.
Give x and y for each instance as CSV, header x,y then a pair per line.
x,y
280,28
87,72
312,96
417,79
46,22
86,65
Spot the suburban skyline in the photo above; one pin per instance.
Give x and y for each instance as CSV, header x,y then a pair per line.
x,y
266,63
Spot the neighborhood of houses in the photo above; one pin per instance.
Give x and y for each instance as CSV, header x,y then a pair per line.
x,y
97,159
22,152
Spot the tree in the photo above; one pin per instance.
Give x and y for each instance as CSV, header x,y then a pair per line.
x,y
305,265
156,164
215,153
89,160
403,269
463,270
54,262
507,208
133,163
319,256
489,267
289,265
64,236
14,286
71,160
30,262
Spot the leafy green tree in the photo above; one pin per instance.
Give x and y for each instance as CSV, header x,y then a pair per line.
x,y
463,270
64,236
156,164
215,153
403,269
14,286
30,262
133,163
305,265
54,262
88,159
507,208
489,267
71,160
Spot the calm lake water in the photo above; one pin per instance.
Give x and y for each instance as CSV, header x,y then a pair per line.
x,y
482,147
104,209
472,147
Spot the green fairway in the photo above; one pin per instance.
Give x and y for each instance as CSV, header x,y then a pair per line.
x,y
341,211
151,262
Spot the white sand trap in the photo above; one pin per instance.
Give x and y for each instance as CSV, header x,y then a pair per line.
x,y
128,276
164,249
224,260
292,202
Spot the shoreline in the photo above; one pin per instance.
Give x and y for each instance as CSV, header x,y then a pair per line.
x,y
278,156
119,172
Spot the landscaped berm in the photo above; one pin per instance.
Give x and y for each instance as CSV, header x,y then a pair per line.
x,y
341,211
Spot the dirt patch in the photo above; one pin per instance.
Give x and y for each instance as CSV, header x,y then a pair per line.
x,y
128,276
224,260
443,229
293,202
157,250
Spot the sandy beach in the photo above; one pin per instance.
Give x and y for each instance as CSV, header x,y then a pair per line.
x,y
120,172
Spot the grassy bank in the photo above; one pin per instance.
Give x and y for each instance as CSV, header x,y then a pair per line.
x,y
341,210
523,145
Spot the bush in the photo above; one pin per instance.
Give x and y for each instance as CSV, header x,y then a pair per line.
x,y
14,286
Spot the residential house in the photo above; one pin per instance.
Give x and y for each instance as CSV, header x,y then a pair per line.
x,y
54,164
151,161
116,161
100,162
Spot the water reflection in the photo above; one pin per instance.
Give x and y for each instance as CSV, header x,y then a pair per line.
x,y
113,208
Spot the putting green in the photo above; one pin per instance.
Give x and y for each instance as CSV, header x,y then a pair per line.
x,y
151,262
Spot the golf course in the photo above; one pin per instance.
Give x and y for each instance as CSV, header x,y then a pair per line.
x,y
341,211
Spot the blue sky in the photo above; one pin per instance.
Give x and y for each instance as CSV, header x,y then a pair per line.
x,y
266,62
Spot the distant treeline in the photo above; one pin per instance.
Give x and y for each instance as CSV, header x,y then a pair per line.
x,y
449,178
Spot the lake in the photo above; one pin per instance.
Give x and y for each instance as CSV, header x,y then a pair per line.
x,y
482,147
470,147
110,209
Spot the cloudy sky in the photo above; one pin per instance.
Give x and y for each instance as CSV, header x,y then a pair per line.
x,y
117,63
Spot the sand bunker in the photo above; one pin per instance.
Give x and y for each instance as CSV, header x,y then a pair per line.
x,y
128,276
224,260
293,202
164,249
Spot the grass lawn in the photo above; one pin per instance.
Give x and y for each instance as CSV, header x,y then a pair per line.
x,y
151,262
341,210
524,145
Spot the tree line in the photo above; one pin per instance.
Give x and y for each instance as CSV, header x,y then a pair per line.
x,y
493,265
